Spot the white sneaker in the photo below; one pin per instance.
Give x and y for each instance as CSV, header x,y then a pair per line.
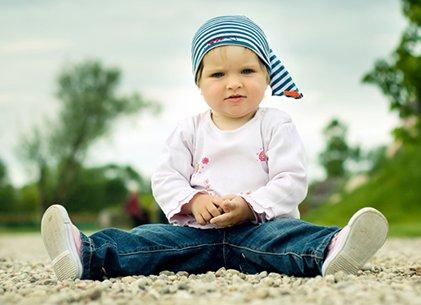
x,y
366,235
56,232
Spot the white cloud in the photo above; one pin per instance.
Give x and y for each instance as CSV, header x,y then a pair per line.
x,y
34,46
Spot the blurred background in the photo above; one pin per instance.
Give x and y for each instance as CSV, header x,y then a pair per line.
x,y
90,90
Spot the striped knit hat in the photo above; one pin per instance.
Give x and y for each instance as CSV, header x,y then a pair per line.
x,y
240,30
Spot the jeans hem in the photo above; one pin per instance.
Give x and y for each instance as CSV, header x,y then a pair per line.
x,y
321,249
87,250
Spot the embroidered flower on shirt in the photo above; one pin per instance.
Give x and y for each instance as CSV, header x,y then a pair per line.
x,y
245,193
206,182
207,186
200,165
262,155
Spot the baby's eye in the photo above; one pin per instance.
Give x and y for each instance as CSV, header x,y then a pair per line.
x,y
217,74
247,71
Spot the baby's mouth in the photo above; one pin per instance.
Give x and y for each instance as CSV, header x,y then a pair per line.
x,y
235,97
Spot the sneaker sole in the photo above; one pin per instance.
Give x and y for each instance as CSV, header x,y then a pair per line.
x,y
367,234
56,232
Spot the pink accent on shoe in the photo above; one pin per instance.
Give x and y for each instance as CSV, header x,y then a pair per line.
x,y
77,239
336,239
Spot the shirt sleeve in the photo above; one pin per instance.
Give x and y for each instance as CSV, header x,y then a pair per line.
x,y
171,180
287,186
258,218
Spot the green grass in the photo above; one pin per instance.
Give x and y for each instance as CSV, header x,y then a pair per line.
x,y
34,228
21,230
405,230
394,189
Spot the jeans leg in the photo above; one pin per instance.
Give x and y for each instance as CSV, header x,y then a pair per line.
x,y
284,245
150,248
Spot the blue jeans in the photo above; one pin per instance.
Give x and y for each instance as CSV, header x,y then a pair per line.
x,y
285,245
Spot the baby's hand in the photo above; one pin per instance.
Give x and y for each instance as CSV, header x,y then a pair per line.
x,y
236,211
204,207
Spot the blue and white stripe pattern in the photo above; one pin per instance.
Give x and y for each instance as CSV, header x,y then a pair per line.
x,y
240,30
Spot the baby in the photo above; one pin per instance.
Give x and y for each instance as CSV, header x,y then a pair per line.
x,y
230,182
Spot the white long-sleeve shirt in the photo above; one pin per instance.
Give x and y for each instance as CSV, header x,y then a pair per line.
x,y
262,161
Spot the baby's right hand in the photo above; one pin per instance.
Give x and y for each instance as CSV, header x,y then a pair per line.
x,y
205,207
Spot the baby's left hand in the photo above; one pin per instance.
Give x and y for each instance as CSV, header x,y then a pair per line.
x,y
236,211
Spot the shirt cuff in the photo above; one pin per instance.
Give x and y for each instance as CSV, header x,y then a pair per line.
x,y
258,217
174,215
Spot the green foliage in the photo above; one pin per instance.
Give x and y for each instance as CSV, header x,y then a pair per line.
x,y
100,187
90,103
88,92
18,207
394,189
150,206
7,197
95,189
15,200
376,158
399,76
337,151
412,9
3,173
27,199
92,191
7,192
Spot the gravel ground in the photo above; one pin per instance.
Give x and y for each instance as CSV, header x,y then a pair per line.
x,y
392,277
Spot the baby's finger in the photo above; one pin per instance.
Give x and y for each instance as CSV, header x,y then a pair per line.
x,y
228,206
224,207
221,220
217,200
200,220
206,215
214,210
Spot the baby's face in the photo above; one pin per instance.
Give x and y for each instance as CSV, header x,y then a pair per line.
x,y
233,81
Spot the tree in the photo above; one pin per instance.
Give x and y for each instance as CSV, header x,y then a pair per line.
x,y
399,77
7,191
3,172
337,152
89,106
96,188
376,158
34,150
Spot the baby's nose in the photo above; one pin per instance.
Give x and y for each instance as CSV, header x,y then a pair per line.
x,y
234,82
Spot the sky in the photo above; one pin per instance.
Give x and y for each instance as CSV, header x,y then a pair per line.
x,y
327,46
